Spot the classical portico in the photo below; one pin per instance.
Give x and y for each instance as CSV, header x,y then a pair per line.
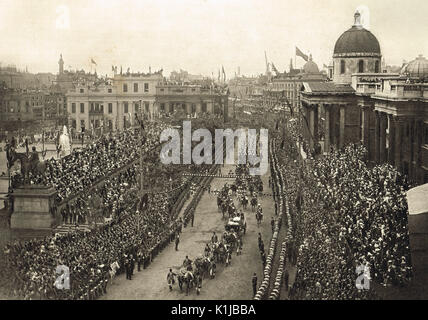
x,y
328,115
400,138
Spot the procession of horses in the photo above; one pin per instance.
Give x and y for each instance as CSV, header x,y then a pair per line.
x,y
219,250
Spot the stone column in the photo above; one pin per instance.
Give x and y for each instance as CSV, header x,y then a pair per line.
x,y
382,137
377,138
342,126
366,128
316,125
333,122
327,129
398,135
311,127
391,140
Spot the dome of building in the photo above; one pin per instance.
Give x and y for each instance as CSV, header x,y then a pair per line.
x,y
417,68
357,40
310,66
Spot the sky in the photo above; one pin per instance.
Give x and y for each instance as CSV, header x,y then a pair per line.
x,y
198,35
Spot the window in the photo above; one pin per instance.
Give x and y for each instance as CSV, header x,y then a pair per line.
x,y
73,123
146,87
204,107
342,66
73,108
162,106
361,66
137,107
146,106
193,108
109,90
82,90
82,125
110,108
135,87
82,108
125,107
376,68
125,87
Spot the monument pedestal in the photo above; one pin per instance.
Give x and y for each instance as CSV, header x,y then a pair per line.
x,y
32,208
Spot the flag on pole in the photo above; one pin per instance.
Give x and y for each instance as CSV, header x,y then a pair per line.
x,y
93,62
224,74
301,54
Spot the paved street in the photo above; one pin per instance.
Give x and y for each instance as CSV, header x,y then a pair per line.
x,y
233,282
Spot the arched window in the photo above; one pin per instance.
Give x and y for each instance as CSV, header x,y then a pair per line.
x,y
376,67
361,66
342,66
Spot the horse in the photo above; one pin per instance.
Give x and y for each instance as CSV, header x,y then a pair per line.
x,y
28,165
228,256
189,281
113,270
244,202
202,265
212,269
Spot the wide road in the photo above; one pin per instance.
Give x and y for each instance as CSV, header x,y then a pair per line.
x,y
232,282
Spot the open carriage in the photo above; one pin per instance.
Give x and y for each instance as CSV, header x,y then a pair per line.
x,y
236,224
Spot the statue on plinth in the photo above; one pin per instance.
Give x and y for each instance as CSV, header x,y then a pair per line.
x,y
64,143
29,161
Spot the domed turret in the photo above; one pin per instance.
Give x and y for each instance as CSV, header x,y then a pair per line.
x,y
417,68
356,51
310,66
357,41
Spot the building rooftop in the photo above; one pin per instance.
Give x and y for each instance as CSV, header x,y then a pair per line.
x,y
326,88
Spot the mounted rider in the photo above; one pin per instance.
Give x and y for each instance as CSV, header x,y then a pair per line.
x,y
187,263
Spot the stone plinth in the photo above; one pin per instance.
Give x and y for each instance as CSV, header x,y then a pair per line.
x,y
31,209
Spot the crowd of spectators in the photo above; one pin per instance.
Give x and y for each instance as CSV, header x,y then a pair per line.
x,y
31,265
345,214
81,169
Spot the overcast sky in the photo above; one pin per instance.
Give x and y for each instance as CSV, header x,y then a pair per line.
x,y
198,35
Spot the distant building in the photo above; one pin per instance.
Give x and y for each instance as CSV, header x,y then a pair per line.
x,y
22,80
116,104
184,76
20,105
189,99
285,87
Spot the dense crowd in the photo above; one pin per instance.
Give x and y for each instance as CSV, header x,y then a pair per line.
x,y
31,265
107,200
81,169
344,215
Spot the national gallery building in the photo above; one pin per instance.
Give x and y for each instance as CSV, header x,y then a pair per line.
x,y
387,112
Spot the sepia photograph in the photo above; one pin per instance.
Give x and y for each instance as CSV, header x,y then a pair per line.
x,y
228,151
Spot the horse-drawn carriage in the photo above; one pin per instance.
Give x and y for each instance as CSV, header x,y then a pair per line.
x,y
237,224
